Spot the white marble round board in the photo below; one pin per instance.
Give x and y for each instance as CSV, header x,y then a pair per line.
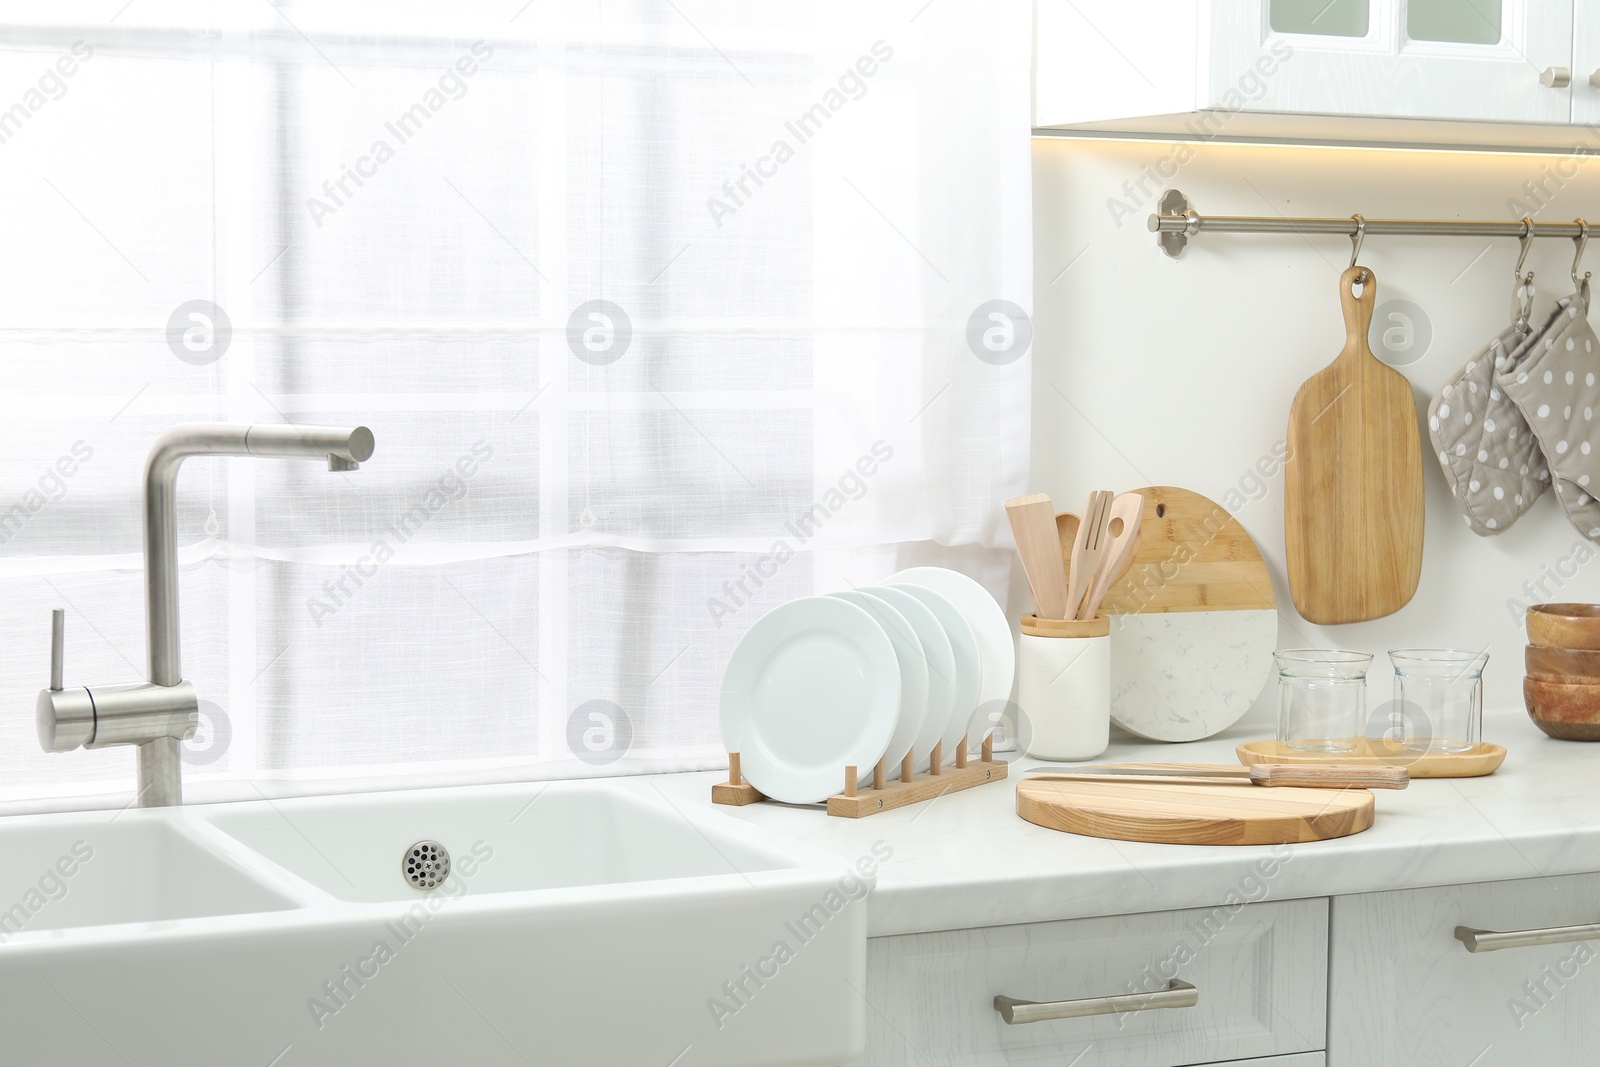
x,y
1185,675
1193,622
812,688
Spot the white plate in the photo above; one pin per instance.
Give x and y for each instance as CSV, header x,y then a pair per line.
x,y
913,673
812,688
940,668
989,628
969,667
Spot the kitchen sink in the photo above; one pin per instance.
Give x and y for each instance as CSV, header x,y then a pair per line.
x,y
132,870
499,840
595,923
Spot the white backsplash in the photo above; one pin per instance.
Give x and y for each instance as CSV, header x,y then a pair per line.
x,y
1154,371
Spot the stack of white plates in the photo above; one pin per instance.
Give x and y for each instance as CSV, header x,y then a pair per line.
x,y
828,682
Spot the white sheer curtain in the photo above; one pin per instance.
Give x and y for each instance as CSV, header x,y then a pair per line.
x,y
795,217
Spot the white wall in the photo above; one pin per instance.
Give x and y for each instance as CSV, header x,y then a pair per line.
x,y
1181,372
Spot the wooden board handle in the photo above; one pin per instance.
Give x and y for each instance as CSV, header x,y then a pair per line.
x,y
1308,776
1357,309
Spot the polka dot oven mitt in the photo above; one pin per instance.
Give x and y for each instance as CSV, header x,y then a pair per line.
x,y
1491,459
1555,388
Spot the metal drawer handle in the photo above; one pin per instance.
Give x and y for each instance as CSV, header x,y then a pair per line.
x,y
1176,995
1491,940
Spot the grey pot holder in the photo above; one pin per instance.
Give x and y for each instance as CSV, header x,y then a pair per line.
x,y
1554,383
1490,457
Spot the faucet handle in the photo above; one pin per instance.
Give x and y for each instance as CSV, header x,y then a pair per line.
x,y
65,717
58,647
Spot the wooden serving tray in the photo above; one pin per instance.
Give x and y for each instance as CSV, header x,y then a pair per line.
x,y
1485,759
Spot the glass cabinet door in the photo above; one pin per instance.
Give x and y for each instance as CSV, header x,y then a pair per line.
x,y
1586,74
1476,60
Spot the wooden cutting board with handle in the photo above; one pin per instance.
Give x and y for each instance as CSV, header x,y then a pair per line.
x,y
1352,490
1209,814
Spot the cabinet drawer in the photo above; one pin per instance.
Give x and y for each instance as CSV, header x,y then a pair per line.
x,y
1405,991
1259,973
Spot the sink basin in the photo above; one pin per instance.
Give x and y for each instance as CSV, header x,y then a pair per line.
x,y
513,840
141,871
586,923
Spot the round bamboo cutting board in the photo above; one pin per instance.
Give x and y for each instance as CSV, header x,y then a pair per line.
x,y
1179,814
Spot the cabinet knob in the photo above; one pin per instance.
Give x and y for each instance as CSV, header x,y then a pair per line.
x,y
1558,77
1594,79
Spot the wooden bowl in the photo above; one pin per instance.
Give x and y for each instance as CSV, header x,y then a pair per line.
x,y
1571,665
1566,711
1564,626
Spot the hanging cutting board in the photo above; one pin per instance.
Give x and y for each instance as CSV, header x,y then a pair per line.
x,y
1231,814
1195,621
1352,490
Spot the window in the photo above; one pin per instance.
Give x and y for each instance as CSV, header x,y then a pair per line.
x,y
661,314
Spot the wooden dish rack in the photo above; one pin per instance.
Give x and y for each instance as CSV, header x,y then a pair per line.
x,y
884,794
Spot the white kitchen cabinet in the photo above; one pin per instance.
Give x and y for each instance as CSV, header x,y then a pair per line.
x,y
1258,973
1485,67
1586,72
1404,992
1200,68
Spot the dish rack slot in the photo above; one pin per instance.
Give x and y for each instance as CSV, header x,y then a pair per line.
x,y
856,801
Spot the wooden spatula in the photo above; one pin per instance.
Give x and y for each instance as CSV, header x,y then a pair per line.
x,y
1122,540
1352,490
1033,524
1086,549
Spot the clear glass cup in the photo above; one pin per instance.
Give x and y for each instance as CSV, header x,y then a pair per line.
x,y
1438,693
1322,699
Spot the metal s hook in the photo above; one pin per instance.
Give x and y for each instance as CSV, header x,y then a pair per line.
x,y
1577,259
1522,285
1355,247
1526,241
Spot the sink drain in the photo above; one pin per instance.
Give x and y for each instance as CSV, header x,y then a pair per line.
x,y
425,864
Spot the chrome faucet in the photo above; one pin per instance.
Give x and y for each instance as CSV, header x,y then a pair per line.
x,y
157,715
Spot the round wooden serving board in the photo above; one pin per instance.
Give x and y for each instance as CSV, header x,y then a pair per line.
x,y
1184,814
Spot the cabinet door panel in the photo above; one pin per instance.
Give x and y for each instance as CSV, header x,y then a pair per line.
x,y
1260,971
1386,71
1586,73
1404,992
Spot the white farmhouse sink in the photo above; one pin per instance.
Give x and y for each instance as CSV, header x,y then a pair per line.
x,y
570,835
131,870
589,924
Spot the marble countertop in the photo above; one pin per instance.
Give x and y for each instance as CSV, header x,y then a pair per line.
x,y
967,860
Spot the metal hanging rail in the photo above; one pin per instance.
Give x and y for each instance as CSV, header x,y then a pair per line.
x,y
1178,221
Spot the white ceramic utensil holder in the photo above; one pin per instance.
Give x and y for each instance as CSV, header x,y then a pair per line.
x,y
1064,686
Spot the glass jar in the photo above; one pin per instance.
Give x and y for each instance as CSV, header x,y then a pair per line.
x,y
1322,699
1439,695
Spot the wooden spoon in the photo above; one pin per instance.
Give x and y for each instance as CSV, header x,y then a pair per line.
x,y
1067,531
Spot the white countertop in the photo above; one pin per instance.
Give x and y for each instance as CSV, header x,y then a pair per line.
x,y
966,859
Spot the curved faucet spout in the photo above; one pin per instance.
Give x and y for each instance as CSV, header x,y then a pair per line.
x,y
344,448
159,714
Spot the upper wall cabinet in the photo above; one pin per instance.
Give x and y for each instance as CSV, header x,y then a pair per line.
x,y
1475,72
